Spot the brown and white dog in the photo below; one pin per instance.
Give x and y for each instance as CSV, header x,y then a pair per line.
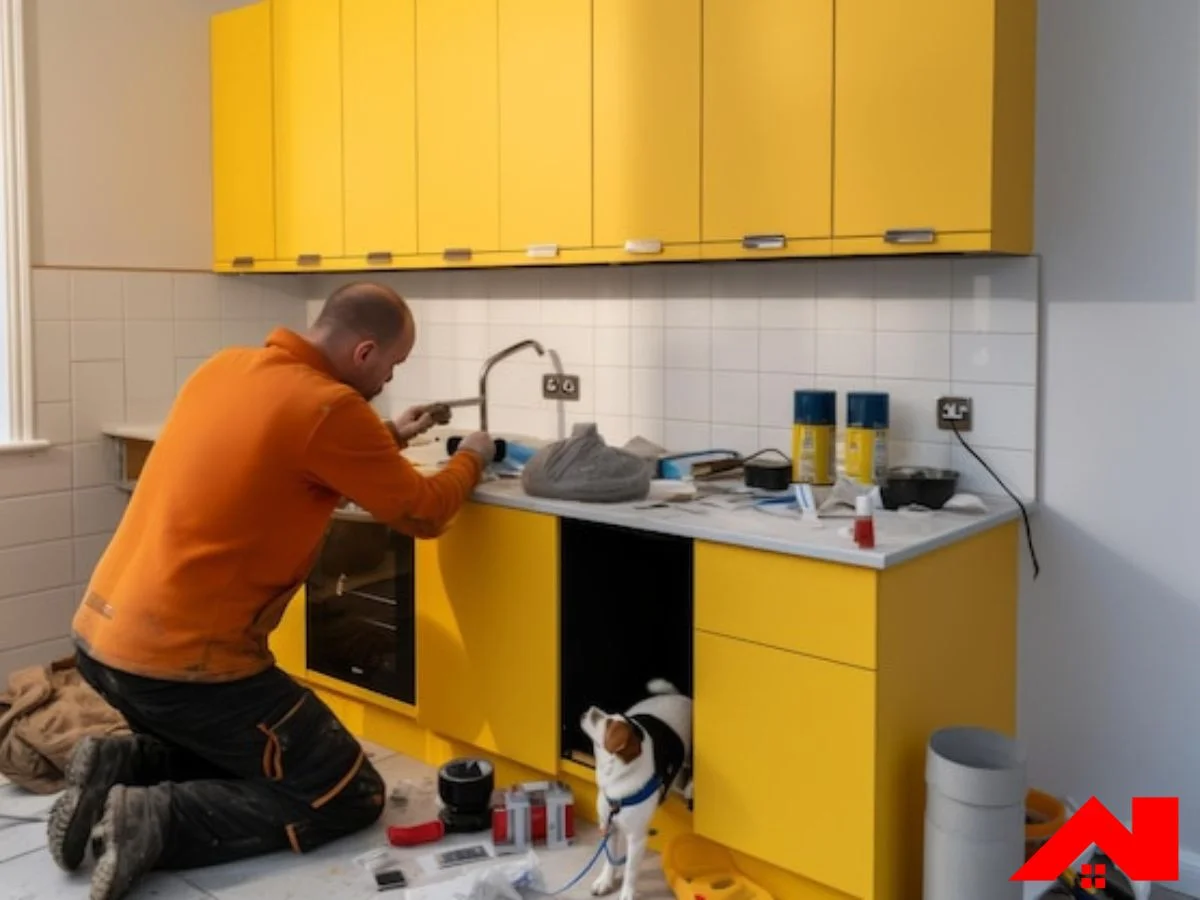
x,y
640,756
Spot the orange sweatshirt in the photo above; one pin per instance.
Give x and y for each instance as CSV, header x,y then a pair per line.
x,y
231,508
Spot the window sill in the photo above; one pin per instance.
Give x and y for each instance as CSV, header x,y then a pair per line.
x,y
23,448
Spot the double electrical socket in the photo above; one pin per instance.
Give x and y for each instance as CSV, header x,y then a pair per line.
x,y
954,413
560,387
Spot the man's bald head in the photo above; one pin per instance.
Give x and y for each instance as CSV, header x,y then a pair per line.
x,y
365,329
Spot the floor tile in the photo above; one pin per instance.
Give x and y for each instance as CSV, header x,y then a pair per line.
x,y
17,840
35,877
15,801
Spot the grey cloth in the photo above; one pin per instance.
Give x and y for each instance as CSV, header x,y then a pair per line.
x,y
583,467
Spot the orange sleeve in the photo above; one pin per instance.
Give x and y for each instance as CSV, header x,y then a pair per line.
x,y
352,452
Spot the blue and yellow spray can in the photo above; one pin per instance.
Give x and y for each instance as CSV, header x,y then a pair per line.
x,y
814,427
866,436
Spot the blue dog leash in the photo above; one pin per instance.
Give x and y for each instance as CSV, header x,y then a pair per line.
x,y
648,790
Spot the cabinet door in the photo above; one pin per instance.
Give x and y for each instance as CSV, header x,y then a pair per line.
x,y
487,633
913,119
646,121
768,118
308,130
545,51
289,640
458,204
243,157
379,137
784,759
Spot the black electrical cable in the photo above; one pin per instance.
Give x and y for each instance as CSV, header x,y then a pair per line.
x,y
1024,513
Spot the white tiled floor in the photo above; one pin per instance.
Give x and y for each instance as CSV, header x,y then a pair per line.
x,y
27,872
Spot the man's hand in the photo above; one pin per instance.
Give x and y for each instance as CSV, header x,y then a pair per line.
x,y
419,419
480,443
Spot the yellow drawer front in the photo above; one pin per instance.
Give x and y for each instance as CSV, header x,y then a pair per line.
x,y
784,760
805,605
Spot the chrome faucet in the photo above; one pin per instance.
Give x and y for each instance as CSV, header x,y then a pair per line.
x,y
481,400
487,368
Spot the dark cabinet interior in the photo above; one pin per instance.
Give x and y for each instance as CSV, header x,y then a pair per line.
x,y
361,610
626,618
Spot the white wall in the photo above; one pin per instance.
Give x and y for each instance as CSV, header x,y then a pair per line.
x,y
1110,673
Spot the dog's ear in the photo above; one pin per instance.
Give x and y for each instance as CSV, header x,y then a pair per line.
x,y
592,723
622,740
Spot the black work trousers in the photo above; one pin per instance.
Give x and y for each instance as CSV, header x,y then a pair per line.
x,y
248,767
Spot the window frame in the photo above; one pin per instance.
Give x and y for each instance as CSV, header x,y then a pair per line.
x,y
14,241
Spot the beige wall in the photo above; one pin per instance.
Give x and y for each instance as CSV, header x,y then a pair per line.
x,y
119,132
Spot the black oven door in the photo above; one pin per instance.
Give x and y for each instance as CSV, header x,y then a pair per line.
x,y
361,610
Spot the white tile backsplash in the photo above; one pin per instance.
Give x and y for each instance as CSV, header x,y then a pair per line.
x,y
696,353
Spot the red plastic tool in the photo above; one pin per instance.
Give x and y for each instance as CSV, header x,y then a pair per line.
x,y
411,835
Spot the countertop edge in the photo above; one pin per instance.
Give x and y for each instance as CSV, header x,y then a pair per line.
x,y
973,524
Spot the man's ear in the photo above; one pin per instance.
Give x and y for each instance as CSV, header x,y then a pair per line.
x,y
363,350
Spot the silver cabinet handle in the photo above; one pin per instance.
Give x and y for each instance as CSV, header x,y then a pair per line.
x,y
308,259
243,262
456,254
379,257
764,242
541,251
910,235
643,245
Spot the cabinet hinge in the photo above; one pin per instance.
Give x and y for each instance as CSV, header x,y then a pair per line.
x,y
308,259
379,257
243,262
456,254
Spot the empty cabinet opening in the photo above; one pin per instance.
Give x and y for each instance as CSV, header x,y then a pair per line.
x,y
626,618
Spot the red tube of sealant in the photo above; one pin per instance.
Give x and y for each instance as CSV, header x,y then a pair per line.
x,y
411,835
864,523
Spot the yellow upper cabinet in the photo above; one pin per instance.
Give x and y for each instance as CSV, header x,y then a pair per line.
x,y
545,65
309,216
243,176
458,206
379,128
646,184
933,125
768,121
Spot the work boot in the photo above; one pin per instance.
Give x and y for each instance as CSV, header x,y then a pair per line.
x,y
130,835
95,766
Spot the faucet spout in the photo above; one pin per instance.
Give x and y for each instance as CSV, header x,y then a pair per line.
x,y
490,362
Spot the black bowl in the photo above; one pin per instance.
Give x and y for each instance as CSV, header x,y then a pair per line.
x,y
907,485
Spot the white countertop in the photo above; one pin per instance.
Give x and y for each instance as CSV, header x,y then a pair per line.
x,y
899,536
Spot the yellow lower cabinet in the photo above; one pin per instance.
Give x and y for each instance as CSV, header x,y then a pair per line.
x,y
784,759
289,641
487,634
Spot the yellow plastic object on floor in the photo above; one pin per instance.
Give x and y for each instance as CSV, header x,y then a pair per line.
x,y
698,869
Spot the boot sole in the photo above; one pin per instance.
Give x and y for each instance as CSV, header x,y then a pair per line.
x,y
106,881
65,815
104,886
